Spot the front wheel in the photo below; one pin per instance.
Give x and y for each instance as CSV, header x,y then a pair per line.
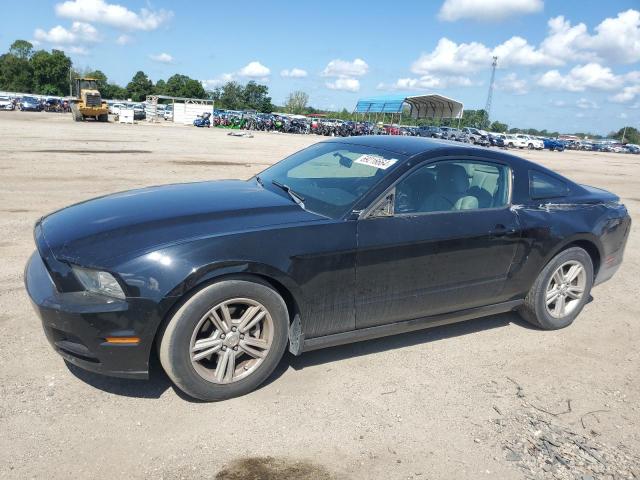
x,y
561,290
75,111
225,340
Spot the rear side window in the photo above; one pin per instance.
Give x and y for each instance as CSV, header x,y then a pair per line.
x,y
542,185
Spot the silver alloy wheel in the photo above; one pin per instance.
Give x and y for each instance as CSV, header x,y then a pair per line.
x,y
231,340
565,289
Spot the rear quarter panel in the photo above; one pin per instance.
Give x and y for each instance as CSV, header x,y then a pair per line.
x,y
548,228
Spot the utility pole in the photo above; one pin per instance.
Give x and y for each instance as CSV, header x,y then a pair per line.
x,y
487,107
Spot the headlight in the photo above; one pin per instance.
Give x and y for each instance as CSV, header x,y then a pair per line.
x,y
99,282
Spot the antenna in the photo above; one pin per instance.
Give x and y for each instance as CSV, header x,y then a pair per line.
x,y
487,107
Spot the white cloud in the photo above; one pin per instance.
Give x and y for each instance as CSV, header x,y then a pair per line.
x,y
218,81
344,83
627,94
99,11
450,58
558,103
487,10
564,41
580,78
343,68
511,83
586,104
124,39
161,57
79,32
618,39
72,49
622,115
293,73
254,70
427,82
517,51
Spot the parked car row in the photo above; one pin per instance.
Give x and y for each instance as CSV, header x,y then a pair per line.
x,y
28,103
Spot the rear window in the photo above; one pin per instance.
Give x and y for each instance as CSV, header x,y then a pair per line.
x,y
542,185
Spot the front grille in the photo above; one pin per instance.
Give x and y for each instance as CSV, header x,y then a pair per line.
x,y
93,100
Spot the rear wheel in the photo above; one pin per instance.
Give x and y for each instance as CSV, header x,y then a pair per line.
x,y
561,290
530,146
103,118
225,340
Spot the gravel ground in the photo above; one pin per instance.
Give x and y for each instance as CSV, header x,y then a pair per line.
x,y
462,401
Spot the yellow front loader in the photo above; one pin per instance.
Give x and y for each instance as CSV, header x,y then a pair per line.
x,y
88,102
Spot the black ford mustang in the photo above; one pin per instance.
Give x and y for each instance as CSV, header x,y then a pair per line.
x,y
346,240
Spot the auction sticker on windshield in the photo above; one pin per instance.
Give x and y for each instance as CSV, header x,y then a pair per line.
x,y
375,161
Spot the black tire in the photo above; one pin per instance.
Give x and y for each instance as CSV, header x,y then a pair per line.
x,y
175,340
534,309
530,146
103,118
75,111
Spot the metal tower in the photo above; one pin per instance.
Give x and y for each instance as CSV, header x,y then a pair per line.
x,y
487,107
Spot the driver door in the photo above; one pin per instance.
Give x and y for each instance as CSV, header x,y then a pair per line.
x,y
445,243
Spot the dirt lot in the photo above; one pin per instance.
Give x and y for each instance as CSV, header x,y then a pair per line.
x,y
490,398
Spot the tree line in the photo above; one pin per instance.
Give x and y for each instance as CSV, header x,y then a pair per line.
x,y
24,69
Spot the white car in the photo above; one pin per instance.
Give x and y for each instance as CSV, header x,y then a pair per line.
x,y
531,142
114,109
6,104
513,141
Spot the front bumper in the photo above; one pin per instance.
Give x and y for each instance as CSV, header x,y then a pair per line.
x,y
77,325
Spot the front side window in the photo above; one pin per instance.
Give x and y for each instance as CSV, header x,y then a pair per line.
x,y
331,177
453,186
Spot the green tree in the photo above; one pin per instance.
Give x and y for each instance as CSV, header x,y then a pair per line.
x,y
101,78
499,127
50,72
16,74
161,87
297,102
631,135
229,96
183,86
139,87
21,49
255,97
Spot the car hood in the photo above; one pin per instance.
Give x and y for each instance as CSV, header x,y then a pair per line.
x,y
131,223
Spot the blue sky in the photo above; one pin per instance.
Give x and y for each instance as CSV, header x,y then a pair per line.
x,y
568,65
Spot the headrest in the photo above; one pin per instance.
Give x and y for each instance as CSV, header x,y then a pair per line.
x,y
452,178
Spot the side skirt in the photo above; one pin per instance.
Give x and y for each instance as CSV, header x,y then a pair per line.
x,y
407,326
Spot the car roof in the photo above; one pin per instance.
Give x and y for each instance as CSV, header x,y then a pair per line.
x,y
410,146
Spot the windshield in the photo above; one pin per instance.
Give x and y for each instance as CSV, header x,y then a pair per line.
x,y
331,177
88,85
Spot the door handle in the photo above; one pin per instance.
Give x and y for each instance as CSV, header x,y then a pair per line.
x,y
500,231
